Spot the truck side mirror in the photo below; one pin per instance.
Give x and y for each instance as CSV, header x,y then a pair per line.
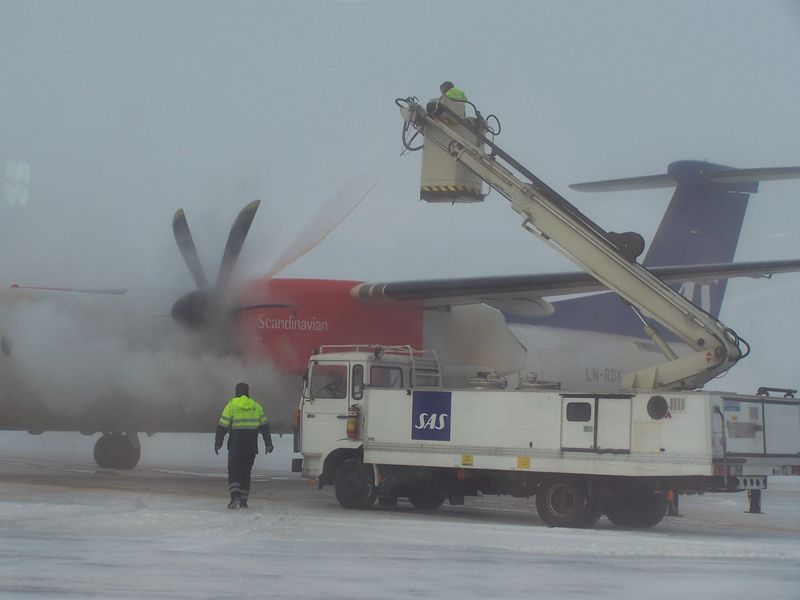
x,y
357,389
307,388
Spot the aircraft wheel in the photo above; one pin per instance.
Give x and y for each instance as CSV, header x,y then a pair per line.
x,y
562,502
354,484
425,499
102,452
116,451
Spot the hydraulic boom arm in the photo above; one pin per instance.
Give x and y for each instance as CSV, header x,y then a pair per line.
x,y
609,257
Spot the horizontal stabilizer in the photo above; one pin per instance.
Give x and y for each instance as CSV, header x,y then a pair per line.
x,y
765,174
699,173
648,182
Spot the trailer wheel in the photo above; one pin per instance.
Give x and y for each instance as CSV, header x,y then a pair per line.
x,y
636,511
425,499
562,503
354,484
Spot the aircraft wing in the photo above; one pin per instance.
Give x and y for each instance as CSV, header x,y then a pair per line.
x,y
524,294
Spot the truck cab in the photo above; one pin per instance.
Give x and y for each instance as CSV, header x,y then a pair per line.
x,y
329,416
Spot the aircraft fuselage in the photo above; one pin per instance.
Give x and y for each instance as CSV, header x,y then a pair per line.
x,y
61,374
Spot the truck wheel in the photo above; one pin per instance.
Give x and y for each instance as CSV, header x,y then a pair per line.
x,y
354,484
425,499
562,503
620,511
651,509
636,511
591,513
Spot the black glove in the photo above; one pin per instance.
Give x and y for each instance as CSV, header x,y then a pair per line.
x,y
269,449
217,447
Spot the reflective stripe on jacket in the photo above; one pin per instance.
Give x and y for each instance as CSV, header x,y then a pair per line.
x,y
243,412
244,419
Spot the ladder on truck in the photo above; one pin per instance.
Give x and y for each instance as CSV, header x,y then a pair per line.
x,y
609,257
425,367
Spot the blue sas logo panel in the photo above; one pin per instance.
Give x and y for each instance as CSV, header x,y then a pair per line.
x,y
430,416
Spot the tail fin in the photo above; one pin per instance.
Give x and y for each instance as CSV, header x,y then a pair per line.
x,y
701,226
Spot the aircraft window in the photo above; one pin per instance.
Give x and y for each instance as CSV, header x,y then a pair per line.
x,y
329,381
386,377
579,411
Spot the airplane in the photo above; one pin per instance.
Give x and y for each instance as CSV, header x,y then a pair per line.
x,y
120,362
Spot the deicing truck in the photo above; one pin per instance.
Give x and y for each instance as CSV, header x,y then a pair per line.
x,y
376,423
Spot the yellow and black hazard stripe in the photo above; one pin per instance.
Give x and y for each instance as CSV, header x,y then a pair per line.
x,y
450,193
450,189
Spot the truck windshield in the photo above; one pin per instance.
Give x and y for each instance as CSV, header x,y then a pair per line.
x,y
329,381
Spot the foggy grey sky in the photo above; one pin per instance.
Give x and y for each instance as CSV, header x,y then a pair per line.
x,y
127,111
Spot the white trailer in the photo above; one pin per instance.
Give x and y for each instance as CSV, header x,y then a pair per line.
x,y
375,424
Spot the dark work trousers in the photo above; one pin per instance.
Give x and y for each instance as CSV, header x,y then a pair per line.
x,y
239,466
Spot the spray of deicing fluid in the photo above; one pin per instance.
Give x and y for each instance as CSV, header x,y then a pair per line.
x,y
340,206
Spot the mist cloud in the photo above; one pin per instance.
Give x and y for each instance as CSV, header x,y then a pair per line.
x,y
72,362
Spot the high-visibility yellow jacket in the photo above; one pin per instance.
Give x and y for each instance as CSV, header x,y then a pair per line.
x,y
244,418
242,412
455,93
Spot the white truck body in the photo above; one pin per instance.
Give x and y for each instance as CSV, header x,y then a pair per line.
x,y
520,441
559,432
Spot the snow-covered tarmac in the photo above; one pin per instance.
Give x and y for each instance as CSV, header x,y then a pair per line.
x,y
69,529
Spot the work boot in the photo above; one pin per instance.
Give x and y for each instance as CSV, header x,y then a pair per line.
x,y
243,503
234,503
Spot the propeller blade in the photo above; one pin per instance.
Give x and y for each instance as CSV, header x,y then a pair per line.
x,y
183,237
234,245
243,308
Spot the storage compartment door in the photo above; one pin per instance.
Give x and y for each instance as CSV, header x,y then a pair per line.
x,y
744,427
614,424
577,423
782,428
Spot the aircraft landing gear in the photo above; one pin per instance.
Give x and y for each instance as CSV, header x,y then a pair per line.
x,y
117,450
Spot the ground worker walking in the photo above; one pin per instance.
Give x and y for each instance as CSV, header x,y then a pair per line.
x,y
244,418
